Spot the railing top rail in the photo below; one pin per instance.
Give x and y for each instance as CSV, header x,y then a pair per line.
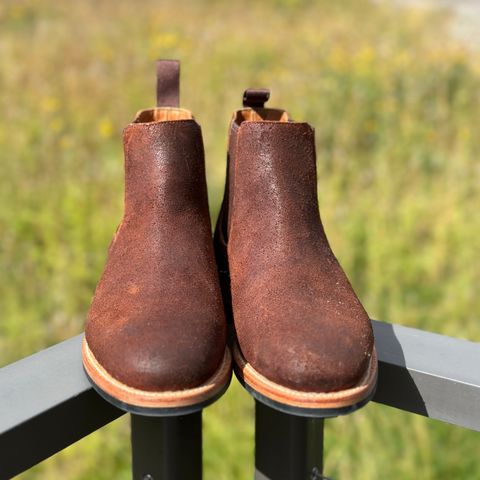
x,y
429,374
46,404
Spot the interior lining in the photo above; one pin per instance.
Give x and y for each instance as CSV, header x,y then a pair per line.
x,y
260,115
162,114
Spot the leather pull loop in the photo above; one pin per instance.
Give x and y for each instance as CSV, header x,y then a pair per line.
x,y
255,97
168,83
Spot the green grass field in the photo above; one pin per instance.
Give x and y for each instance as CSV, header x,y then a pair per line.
x,y
395,103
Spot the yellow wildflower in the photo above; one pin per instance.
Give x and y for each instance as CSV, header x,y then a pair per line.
x,y
49,104
105,128
165,40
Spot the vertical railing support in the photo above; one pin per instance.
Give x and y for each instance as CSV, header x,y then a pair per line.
x,y
287,447
167,447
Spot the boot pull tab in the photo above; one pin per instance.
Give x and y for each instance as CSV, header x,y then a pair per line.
x,y
168,83
255,97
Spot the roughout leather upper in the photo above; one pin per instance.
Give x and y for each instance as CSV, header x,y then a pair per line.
x,y
296,317
156,322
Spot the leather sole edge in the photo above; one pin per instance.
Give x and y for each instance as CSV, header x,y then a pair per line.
x,y
310,404
151,403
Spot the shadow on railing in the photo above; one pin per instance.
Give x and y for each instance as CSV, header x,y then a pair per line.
x,y
395,376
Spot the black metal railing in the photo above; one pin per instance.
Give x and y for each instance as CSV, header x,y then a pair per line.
x,y
46,404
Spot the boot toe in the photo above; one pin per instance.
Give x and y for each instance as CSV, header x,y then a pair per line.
x,y
151,358
310,358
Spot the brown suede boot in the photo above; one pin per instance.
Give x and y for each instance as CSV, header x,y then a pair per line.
x,y
155,339
303,342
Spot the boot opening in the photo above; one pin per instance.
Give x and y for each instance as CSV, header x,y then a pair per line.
x,y
162,114
261,115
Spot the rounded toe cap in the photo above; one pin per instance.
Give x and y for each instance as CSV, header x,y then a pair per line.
x,y
147,356
311,360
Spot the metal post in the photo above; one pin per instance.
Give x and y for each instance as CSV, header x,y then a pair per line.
x,y
167,447
287,447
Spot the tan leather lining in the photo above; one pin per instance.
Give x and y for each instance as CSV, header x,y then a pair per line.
x,y
162,114
261,114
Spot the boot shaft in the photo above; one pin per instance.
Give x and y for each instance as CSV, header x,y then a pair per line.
x,y
272,185
164,164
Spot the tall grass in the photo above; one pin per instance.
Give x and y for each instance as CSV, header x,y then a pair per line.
x,y
395,103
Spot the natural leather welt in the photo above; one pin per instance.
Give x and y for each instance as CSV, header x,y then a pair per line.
x,y
297,319
156,322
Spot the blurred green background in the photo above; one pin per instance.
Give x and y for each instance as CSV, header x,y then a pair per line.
x,y
394,98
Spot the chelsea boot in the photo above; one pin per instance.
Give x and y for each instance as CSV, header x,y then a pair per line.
x,y
155,338
302,343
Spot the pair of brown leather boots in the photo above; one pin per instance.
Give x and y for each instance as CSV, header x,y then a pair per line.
x,y
156,336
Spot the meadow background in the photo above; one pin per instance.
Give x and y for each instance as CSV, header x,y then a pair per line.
x,y
394,98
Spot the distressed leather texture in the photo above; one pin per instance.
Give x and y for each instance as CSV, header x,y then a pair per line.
x,y
296,317
157,321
